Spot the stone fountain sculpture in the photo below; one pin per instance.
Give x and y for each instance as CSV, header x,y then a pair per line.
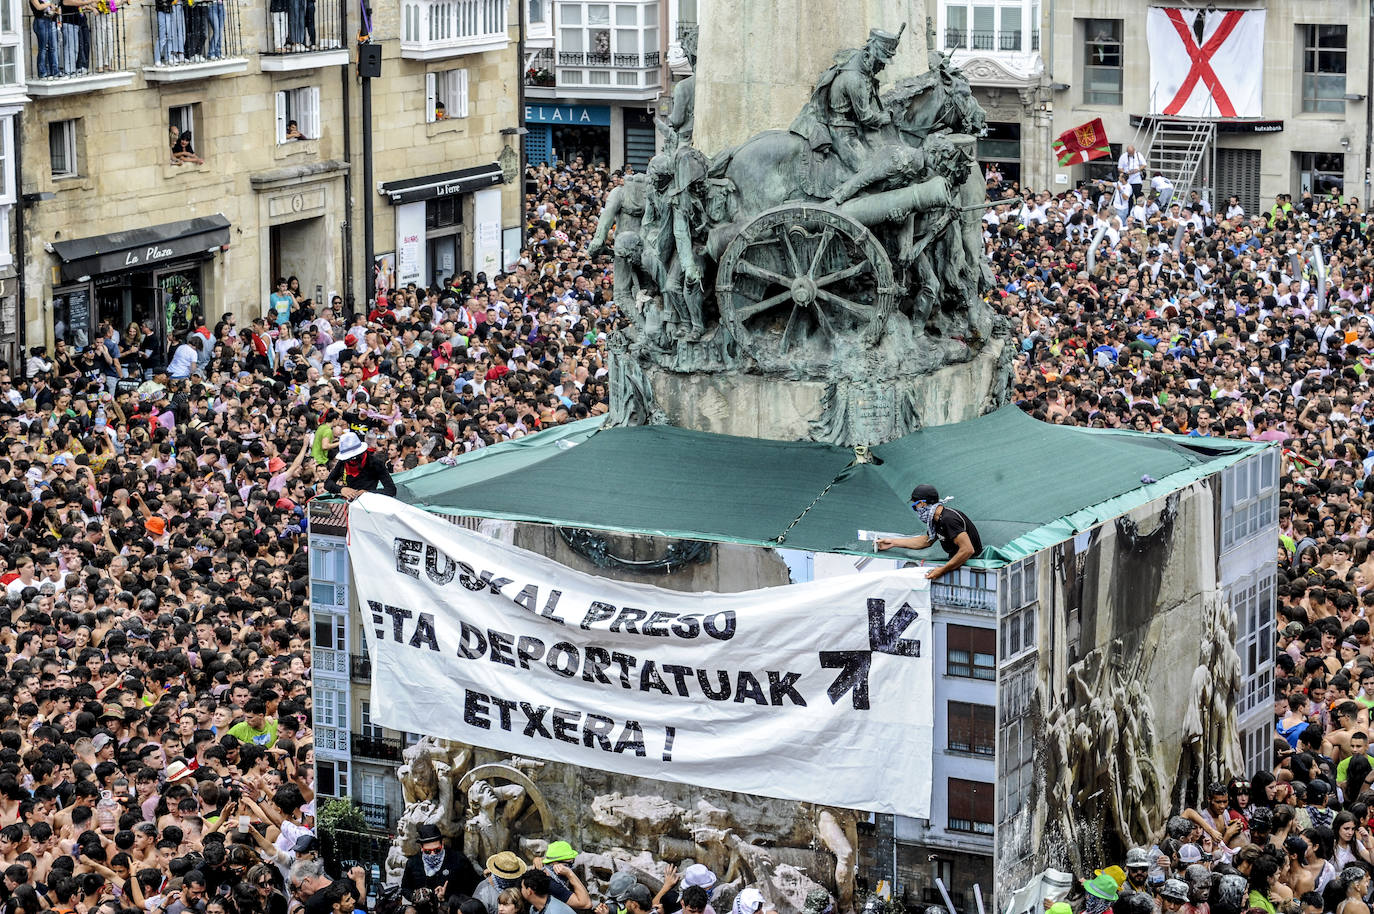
x,y
842,256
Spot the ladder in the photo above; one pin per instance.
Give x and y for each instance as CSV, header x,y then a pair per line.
x,y
1181,149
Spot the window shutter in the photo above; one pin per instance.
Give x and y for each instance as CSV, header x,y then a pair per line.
x,y
459,106
430,96
281,117
312,106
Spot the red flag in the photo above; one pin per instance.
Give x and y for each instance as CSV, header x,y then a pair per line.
x,y
1083,143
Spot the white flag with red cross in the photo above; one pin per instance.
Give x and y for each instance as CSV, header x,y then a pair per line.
x,y
1205,63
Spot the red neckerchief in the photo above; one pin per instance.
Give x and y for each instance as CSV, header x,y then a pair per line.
x,y
355,466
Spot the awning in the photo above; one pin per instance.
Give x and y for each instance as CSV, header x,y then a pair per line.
x,y
463,181
118,252
1025,483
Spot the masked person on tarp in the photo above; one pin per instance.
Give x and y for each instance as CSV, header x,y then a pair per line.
x,y
448,872
359,469
952,529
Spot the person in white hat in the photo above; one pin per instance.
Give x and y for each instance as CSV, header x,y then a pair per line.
x,y
358,469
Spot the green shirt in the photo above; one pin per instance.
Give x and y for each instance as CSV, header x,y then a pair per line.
x,y
323,435
265,737
1344,766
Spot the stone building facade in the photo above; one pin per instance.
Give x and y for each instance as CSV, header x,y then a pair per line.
x,y
1041,69
115,230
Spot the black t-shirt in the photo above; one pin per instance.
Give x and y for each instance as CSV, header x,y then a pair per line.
x,y
949,524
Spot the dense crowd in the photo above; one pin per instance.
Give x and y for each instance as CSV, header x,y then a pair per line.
x,y
155,743
155,720
1197,321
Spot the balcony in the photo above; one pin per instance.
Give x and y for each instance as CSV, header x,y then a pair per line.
x,y
305,37
539,71
72,59
989,40
602,74
598,59
436,29
968,588
376,815
382,748
359,667
195,42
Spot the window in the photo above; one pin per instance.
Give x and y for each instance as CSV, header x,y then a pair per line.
x,y
970,652
329,631
7,194
331,777
1016,759
182,120
970,806
1102,61
956,27
972,728
328,575
538,11
1321,172
1252,603
365,725
443,212
1249,489
11,38
62,147
446,95
372,795
1323,68
1018,632
298,114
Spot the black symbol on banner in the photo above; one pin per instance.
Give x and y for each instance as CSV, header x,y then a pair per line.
x,y
884,637
377,624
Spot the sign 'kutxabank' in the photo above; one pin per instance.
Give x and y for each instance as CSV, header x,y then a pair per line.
x,y
818,692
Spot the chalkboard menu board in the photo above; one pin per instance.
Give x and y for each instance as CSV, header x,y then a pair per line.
x,y
72,316
79,315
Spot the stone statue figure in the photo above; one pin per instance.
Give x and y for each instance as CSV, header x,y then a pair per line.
x,y
675,235
681,116
623,211
845,112
492,811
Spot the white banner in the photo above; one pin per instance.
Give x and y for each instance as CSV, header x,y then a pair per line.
x,y
818,692
1219,75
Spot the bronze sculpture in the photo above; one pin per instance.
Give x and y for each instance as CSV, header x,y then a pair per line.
x,y
845,250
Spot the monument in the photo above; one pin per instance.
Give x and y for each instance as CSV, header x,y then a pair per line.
x,y
825,281
821,280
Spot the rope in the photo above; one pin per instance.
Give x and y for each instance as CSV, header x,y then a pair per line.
x,y
862,454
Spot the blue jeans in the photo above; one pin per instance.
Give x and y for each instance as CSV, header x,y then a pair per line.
x,y
216,28
295,16
176,33
45,34
71,47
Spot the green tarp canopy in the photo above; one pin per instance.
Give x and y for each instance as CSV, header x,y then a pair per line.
x,y
1026,484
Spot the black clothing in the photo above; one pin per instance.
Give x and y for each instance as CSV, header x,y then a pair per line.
x,y
370,475
949,524
457,873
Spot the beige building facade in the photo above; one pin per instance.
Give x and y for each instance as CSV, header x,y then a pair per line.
x,y
1044,68
120,225
1311,134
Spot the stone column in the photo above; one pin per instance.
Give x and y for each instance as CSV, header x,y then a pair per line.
x,y
758,62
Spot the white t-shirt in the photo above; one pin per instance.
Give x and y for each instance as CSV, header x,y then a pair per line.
x,y
183,361
1128,162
